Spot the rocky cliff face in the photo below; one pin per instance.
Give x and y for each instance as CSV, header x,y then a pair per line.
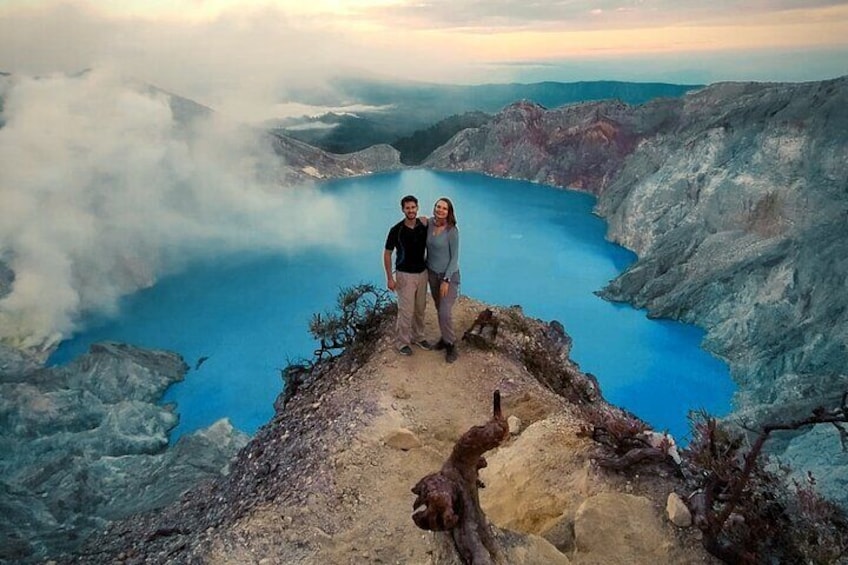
x,y
583,146
735,198
307,163
86,443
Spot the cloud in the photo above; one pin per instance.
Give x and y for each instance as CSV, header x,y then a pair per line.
x,y
240,63
575,15
245,59
103,191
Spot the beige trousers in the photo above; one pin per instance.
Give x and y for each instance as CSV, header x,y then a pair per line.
x,y
411,291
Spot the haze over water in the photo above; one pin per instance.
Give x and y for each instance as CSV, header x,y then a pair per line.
x,y
521,243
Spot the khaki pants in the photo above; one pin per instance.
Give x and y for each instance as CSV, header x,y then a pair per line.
x,y
411,291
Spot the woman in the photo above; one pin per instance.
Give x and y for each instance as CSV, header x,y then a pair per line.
x,y
443,271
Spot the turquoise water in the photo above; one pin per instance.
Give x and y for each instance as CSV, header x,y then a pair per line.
x,y
521,243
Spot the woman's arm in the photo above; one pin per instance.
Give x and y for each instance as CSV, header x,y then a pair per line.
x,y
453,246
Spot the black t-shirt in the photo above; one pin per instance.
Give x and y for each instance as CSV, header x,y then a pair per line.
x,y
411,244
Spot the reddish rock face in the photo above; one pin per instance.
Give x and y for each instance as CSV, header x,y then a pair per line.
x,y
581,146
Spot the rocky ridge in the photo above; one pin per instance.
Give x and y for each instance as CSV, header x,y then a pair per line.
x,y
735,199
328,479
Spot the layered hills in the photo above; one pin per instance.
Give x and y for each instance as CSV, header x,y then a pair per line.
x,y
386,112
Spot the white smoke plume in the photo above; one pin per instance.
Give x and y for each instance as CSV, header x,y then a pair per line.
x,y
102,191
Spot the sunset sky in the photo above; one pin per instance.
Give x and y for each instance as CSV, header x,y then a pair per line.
x,y
239,55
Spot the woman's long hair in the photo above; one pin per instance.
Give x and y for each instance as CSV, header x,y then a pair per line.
x,y
451,219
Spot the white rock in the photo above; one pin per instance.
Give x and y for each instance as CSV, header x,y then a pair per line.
x,y
514,425
656,439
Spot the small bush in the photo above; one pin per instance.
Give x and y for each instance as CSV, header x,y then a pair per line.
x,y
614,428
745,508
820,527
545,361
356,322
354,326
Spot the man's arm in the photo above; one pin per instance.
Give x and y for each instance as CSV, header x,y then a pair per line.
x,y
387,265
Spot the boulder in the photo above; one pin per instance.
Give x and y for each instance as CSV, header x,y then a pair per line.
x,y
678,512
620,528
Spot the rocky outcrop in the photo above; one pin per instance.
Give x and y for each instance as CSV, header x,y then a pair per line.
x,y
735,198
86,443
327,481
304,162
744,234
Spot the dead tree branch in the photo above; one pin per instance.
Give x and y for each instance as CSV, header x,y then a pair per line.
x,y
820,415
448,501
740,505
483,331
634,457
726,495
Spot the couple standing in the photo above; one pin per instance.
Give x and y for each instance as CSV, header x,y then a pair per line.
x,y
426,252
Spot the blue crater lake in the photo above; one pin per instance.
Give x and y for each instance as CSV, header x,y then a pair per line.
x,y
521,243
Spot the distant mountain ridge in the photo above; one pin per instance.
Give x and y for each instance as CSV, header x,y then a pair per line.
x,y
735,198
493,96
404,108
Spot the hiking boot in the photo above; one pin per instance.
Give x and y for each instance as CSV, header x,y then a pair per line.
x,y
450,353
424,344
439,345
405,350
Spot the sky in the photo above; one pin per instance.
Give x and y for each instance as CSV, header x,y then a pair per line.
x,y
243,57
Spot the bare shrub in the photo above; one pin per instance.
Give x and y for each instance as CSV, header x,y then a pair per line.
x,y
354,326
745,508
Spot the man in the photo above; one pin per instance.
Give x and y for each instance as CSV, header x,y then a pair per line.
x,y
408,239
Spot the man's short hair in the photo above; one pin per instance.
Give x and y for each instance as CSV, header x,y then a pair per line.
x,y
408,198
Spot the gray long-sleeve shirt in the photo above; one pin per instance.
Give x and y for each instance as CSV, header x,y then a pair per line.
x,y
443,250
